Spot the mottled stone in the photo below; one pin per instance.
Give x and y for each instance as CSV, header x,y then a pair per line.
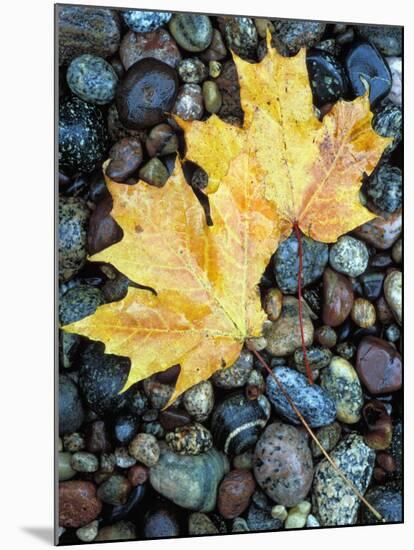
x,y
199,400
191,439
328,437
201,524
192,32
144,21
189,104
384,188
144,448
240,34
381,232
334,502
341,381
235,376
79,302
115,490
282,464
388,122
217,49
160,523
126,156
92,79
393,293
192,70
259,515
388,501
235,492
122,530
158,44
286,263
74,442
318,358
189,481
73,225
292,35
327,77
97,440
84,462
78,503
313,402
88,532
283,336
363,313
387,38
298,515
161,141
71,412
379,365
349,256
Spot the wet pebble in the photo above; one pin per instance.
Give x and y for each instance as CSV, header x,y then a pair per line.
x,y
144,448
84,462
384,188
74,442
364,60
123,459
363,313
381,232
328,437
212,97
386,38
198,401
65,470
145,21
290,36
372,284
73,226
282,464
147,91
259,514
126,156
326,336
240,34
341,382
125,428
160,523
192,70
327,77
189,104
115,490
92,79
395,65
192,32
189,481
97,439
286,263
82,136
393,293
235,492
314,403
237,375
154,173
78,503
388,501
334,502
379,365
318,358
349,256
161,141
191,439
217,49
158,44
71,411
79,302
387,122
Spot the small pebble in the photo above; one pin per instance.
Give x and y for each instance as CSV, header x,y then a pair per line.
x,y
363,313
192,32
328,437
212,97
199,400
349,256
78,503
123,459
92,79
237,375
88,532
379,365
279,512
74,442
158,44
234,493
115,490
326,336
145,21
393,293
84,462
126,156
122,530
145,449
298,515
192,70
384,188
397,251
192,439
189,104
154,172
65,469
214,69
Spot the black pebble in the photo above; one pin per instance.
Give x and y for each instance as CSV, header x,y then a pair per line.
x,y
327,77
364,60
125,428
71,413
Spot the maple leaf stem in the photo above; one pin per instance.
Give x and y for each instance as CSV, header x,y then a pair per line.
x,y
302,334
316,440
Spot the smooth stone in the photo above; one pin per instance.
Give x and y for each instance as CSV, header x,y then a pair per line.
x,y
145,21
161,141
327,77
381,232
71,411
237,374
239,526
126,156
97,439
286,263
395,65
298,515
73,227
101,378
363,313
174,417
379,365
259,514
283,336
384,188
115,490
123,459
191,31
125,428
82,136
74,442
201,524
121,511
89,30
147,91
79,302
397,252
341,381
393,333
192,70
372,284
78,503
144,448
189,481
334,502
338,298
237,422
88,532
154,173
122,530
393,293
235,492
138,475
388,122
282,464
212,97
84,462
240,34
92,79
349,256
364,63
158,44
318,358
192,439
160,523
290,36
388,501
198,401
217,49
313,402
157,392
65,469
189,104
387,38
328,437
243,460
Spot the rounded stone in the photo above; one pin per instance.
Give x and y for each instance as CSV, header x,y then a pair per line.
x,y
384,188
125,428
115,490
82,136
84,462
388,122
189,104
154,173
388,501
88,532
237,375
79,302
334,502
126,156
241,36
147,91
122,530
65,469
145,21
191,439
160,524
341,382
327,77
349,256
393,293
71,412
235,492
189,481
282,464
326,336
162,140
92,79
397,252
78,503
192,70
379,365
387,38
192,32
318,358
363,313
290,36
212,97
144,448
158,44
328,437
73,227
286,263
198,401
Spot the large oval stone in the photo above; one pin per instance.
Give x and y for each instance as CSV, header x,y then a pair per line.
x,y
379,365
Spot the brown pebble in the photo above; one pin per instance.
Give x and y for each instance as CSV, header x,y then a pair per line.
x,y
235,492
173,417
326,336
384,312
273,304
338,298
381,232
78,503
138,475
97,438
363,313
161,140
386,462
379,365
154,172
157,44
126,156
103,230
378,425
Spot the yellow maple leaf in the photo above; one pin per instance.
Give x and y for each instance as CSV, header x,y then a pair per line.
x,y
282,167
313,169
